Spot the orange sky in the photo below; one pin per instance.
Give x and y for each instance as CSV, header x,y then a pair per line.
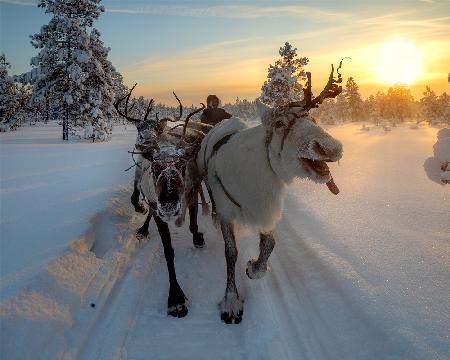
x,y
201,47
239,67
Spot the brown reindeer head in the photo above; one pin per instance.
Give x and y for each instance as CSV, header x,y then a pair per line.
x,y
166,152
297,146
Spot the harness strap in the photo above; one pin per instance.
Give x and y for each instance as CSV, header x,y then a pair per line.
x,y
268,141
214,151
227,193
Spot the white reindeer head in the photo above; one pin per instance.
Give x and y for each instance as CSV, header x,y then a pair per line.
x,y
296,145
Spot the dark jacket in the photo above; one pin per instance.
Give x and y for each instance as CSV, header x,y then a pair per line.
x,y
213,116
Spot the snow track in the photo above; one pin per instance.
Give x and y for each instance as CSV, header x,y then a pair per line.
x,y
358,276
300,307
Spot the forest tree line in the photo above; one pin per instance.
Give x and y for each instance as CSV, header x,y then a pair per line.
x,y
73,82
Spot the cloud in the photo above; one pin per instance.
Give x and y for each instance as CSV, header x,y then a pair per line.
x,y
229,11
20,2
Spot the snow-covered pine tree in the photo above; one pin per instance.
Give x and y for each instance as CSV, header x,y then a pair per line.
x,y
430,105
70,67
341,107
99,92
399,102
282,85
372,110
13,99
326,113
353,99
119,90
8,95
444,108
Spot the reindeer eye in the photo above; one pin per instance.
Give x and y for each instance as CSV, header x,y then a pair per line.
x,y
156,168
279,124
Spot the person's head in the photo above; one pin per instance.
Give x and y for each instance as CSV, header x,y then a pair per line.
x,y
212,101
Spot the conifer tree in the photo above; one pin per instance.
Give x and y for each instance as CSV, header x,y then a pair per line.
x,y
283,79
353,99
71,71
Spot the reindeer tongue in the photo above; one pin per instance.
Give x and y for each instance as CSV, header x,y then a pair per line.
x,y
333,187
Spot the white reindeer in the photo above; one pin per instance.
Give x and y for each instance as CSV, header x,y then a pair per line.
x,y
247,171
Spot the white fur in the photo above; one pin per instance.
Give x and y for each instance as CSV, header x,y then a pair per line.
x,y
245,172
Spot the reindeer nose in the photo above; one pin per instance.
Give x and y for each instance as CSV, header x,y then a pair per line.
x,y
319,149
328,149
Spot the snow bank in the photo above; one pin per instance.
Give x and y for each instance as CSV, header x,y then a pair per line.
x,y
363,275
437,167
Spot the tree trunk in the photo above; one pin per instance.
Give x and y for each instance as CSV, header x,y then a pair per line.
x,y
47,111
66,123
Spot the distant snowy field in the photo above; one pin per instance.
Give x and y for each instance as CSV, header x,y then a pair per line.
x,y
361,275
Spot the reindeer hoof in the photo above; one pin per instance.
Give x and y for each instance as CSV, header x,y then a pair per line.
x,y
140,208
176,304
141,234
253,272
230,319
198,240
179,310
231,309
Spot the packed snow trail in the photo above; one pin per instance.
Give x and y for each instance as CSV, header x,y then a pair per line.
x,y
364,275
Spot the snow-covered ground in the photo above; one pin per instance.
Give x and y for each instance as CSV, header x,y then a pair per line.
x,y
361,275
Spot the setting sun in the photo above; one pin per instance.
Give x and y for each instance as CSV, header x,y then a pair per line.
x,y
399,61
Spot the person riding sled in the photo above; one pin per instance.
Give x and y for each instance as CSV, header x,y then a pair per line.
x,y
212,115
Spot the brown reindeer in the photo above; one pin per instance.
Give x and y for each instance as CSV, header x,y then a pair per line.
x,y
165,177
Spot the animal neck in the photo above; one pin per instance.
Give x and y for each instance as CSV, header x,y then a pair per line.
x,y
274,147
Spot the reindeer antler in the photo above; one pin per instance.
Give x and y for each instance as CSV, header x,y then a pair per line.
x,y
331,90
186,122
126,98
149,109
137,122
181,106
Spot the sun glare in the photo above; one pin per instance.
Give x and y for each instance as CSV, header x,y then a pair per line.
x,y
399,61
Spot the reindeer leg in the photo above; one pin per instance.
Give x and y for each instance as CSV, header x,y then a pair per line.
x,y
142,232
138,205
231,307
205,207
257,268
176,303
197,237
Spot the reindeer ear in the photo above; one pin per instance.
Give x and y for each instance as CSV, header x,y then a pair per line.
x,y
265,112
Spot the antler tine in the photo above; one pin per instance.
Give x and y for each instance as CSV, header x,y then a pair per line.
x,y
186,122
307,92
331,90
179,102
126,98
149,109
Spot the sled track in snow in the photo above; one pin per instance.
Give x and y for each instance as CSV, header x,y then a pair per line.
x,y
299,310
